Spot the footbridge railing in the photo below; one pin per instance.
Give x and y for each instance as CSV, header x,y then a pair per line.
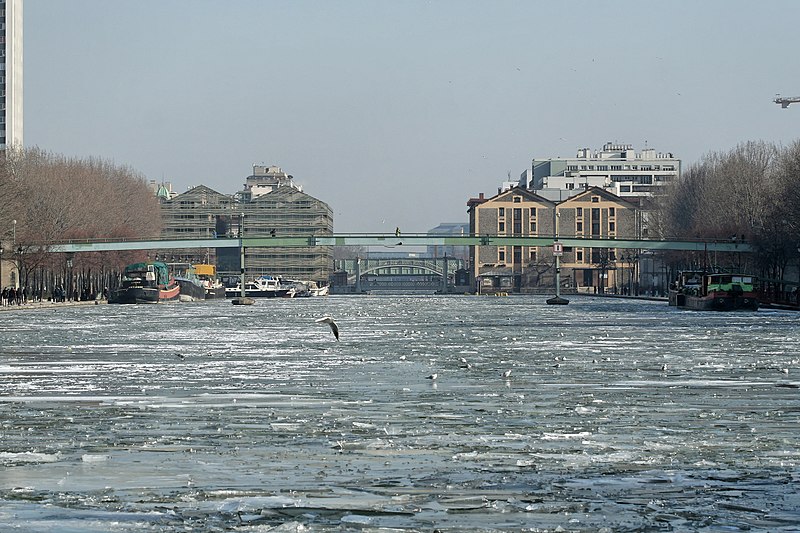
x,y
393,242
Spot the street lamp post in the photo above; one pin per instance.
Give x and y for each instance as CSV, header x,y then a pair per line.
x,y
69,278
14,243
20,268
1,269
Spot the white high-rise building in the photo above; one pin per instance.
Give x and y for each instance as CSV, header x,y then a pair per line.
x,y
616,168
10,73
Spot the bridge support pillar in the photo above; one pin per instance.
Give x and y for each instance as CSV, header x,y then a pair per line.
x,y
444,275
358,275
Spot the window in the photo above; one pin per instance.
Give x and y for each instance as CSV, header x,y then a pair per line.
x,y
518,199
517,251
532,255
595,220
501,227
595,199
612,227
578,211
517,221
501,255
612,212
579,256
533,226
579,227
501,212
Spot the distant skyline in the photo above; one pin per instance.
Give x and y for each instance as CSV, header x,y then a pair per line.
x,y
395,113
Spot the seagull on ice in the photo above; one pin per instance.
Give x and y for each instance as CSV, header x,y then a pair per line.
x,y
433,376
507,374
334,328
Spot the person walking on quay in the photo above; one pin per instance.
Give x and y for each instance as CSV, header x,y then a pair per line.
x,y
3,296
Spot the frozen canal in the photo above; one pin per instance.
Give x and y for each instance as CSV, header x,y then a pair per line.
x,y
617,416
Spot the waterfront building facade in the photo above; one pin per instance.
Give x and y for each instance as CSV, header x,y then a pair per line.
x,y
284,211
596,213
288,212
199,213
592,213
515,212
10,74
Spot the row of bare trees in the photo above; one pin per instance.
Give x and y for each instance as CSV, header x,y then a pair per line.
x,y
749,193
55,199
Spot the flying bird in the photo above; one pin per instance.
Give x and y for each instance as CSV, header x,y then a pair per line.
x,y
334,328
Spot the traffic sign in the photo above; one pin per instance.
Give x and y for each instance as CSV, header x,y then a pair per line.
x,y
558,249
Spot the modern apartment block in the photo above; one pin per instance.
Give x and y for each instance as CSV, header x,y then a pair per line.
x,y
281,211
264,180
10,73
617,168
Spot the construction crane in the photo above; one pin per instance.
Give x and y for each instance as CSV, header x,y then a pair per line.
x,y
785,101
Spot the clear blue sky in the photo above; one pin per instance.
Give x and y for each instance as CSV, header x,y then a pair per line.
x,y
396,112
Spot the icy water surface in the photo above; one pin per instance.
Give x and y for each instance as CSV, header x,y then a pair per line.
x,y
618,415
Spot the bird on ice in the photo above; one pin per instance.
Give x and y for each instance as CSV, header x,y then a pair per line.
x,y
507,374
334,328
433,376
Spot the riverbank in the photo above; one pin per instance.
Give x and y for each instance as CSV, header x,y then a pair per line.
x,y
627,296
50,305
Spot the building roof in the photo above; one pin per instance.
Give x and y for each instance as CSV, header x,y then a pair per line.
x,y
163,192
528,195
586,195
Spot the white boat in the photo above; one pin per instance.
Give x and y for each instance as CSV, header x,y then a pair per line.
x,y
307,288
261,287
315,290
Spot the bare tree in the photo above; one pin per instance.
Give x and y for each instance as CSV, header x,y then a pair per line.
x,y
54,198
745,194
